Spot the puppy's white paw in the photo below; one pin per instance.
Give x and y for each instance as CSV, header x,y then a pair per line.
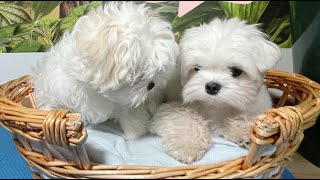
x,y
185,134
238,130
242,139
129,135
134,122
185,152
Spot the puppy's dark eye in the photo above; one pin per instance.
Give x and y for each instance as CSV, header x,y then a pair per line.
x,y
197,68
236,71
150,85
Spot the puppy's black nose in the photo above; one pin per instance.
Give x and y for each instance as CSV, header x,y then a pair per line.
x,y
150,85
212,88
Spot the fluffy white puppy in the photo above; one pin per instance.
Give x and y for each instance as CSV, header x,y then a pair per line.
x,y
222,68
113,65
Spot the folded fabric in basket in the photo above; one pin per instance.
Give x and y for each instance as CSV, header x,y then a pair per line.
x,y
106,145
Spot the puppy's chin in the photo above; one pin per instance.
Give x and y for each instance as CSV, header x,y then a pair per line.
x,y
233,94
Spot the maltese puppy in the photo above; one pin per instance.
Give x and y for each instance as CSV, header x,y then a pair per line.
x,y
222,68
113,65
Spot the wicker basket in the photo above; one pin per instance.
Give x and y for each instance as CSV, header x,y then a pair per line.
x,y
282,127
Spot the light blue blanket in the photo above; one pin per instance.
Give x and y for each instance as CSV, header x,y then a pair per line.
x,y
106,145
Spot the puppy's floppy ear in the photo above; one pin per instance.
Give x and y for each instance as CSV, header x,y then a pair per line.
x,y
267,54
106,52
184,69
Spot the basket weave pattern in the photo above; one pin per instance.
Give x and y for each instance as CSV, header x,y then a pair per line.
x,y
282,127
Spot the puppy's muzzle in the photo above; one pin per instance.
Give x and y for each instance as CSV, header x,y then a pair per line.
x,y
150,85
213,88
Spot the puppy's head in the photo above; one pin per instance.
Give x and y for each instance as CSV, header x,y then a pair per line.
x,y
223,63
125,50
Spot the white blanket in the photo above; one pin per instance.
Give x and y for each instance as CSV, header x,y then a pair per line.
x,y
107,146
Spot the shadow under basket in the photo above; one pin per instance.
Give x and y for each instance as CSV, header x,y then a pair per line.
x,y
282,126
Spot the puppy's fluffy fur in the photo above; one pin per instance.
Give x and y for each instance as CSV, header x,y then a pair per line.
x,y
105,66
222,68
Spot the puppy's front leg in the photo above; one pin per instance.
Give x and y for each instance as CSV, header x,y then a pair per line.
x,y
237,129
185,134
134,122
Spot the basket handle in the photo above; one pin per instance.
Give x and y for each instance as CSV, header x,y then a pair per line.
x,y
283,126
58,127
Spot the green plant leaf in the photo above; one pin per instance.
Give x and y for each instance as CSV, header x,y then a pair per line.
x,y
48,31
69,21
29,46
39,35
12,35
276,23
3,44
287,43
43,8
250,12
24,4
12,14
280,32
292,5
44,31
14,41
22,30
166,9
16,30
285,24
201,14
7,31
39,30
3,49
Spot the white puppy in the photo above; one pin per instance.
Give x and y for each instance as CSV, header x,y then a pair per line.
x,y
113,65
222,68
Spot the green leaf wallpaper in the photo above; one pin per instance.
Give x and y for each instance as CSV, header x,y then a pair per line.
x,y
35,26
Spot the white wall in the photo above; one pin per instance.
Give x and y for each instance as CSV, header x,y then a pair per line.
x,y
286,62
14,65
